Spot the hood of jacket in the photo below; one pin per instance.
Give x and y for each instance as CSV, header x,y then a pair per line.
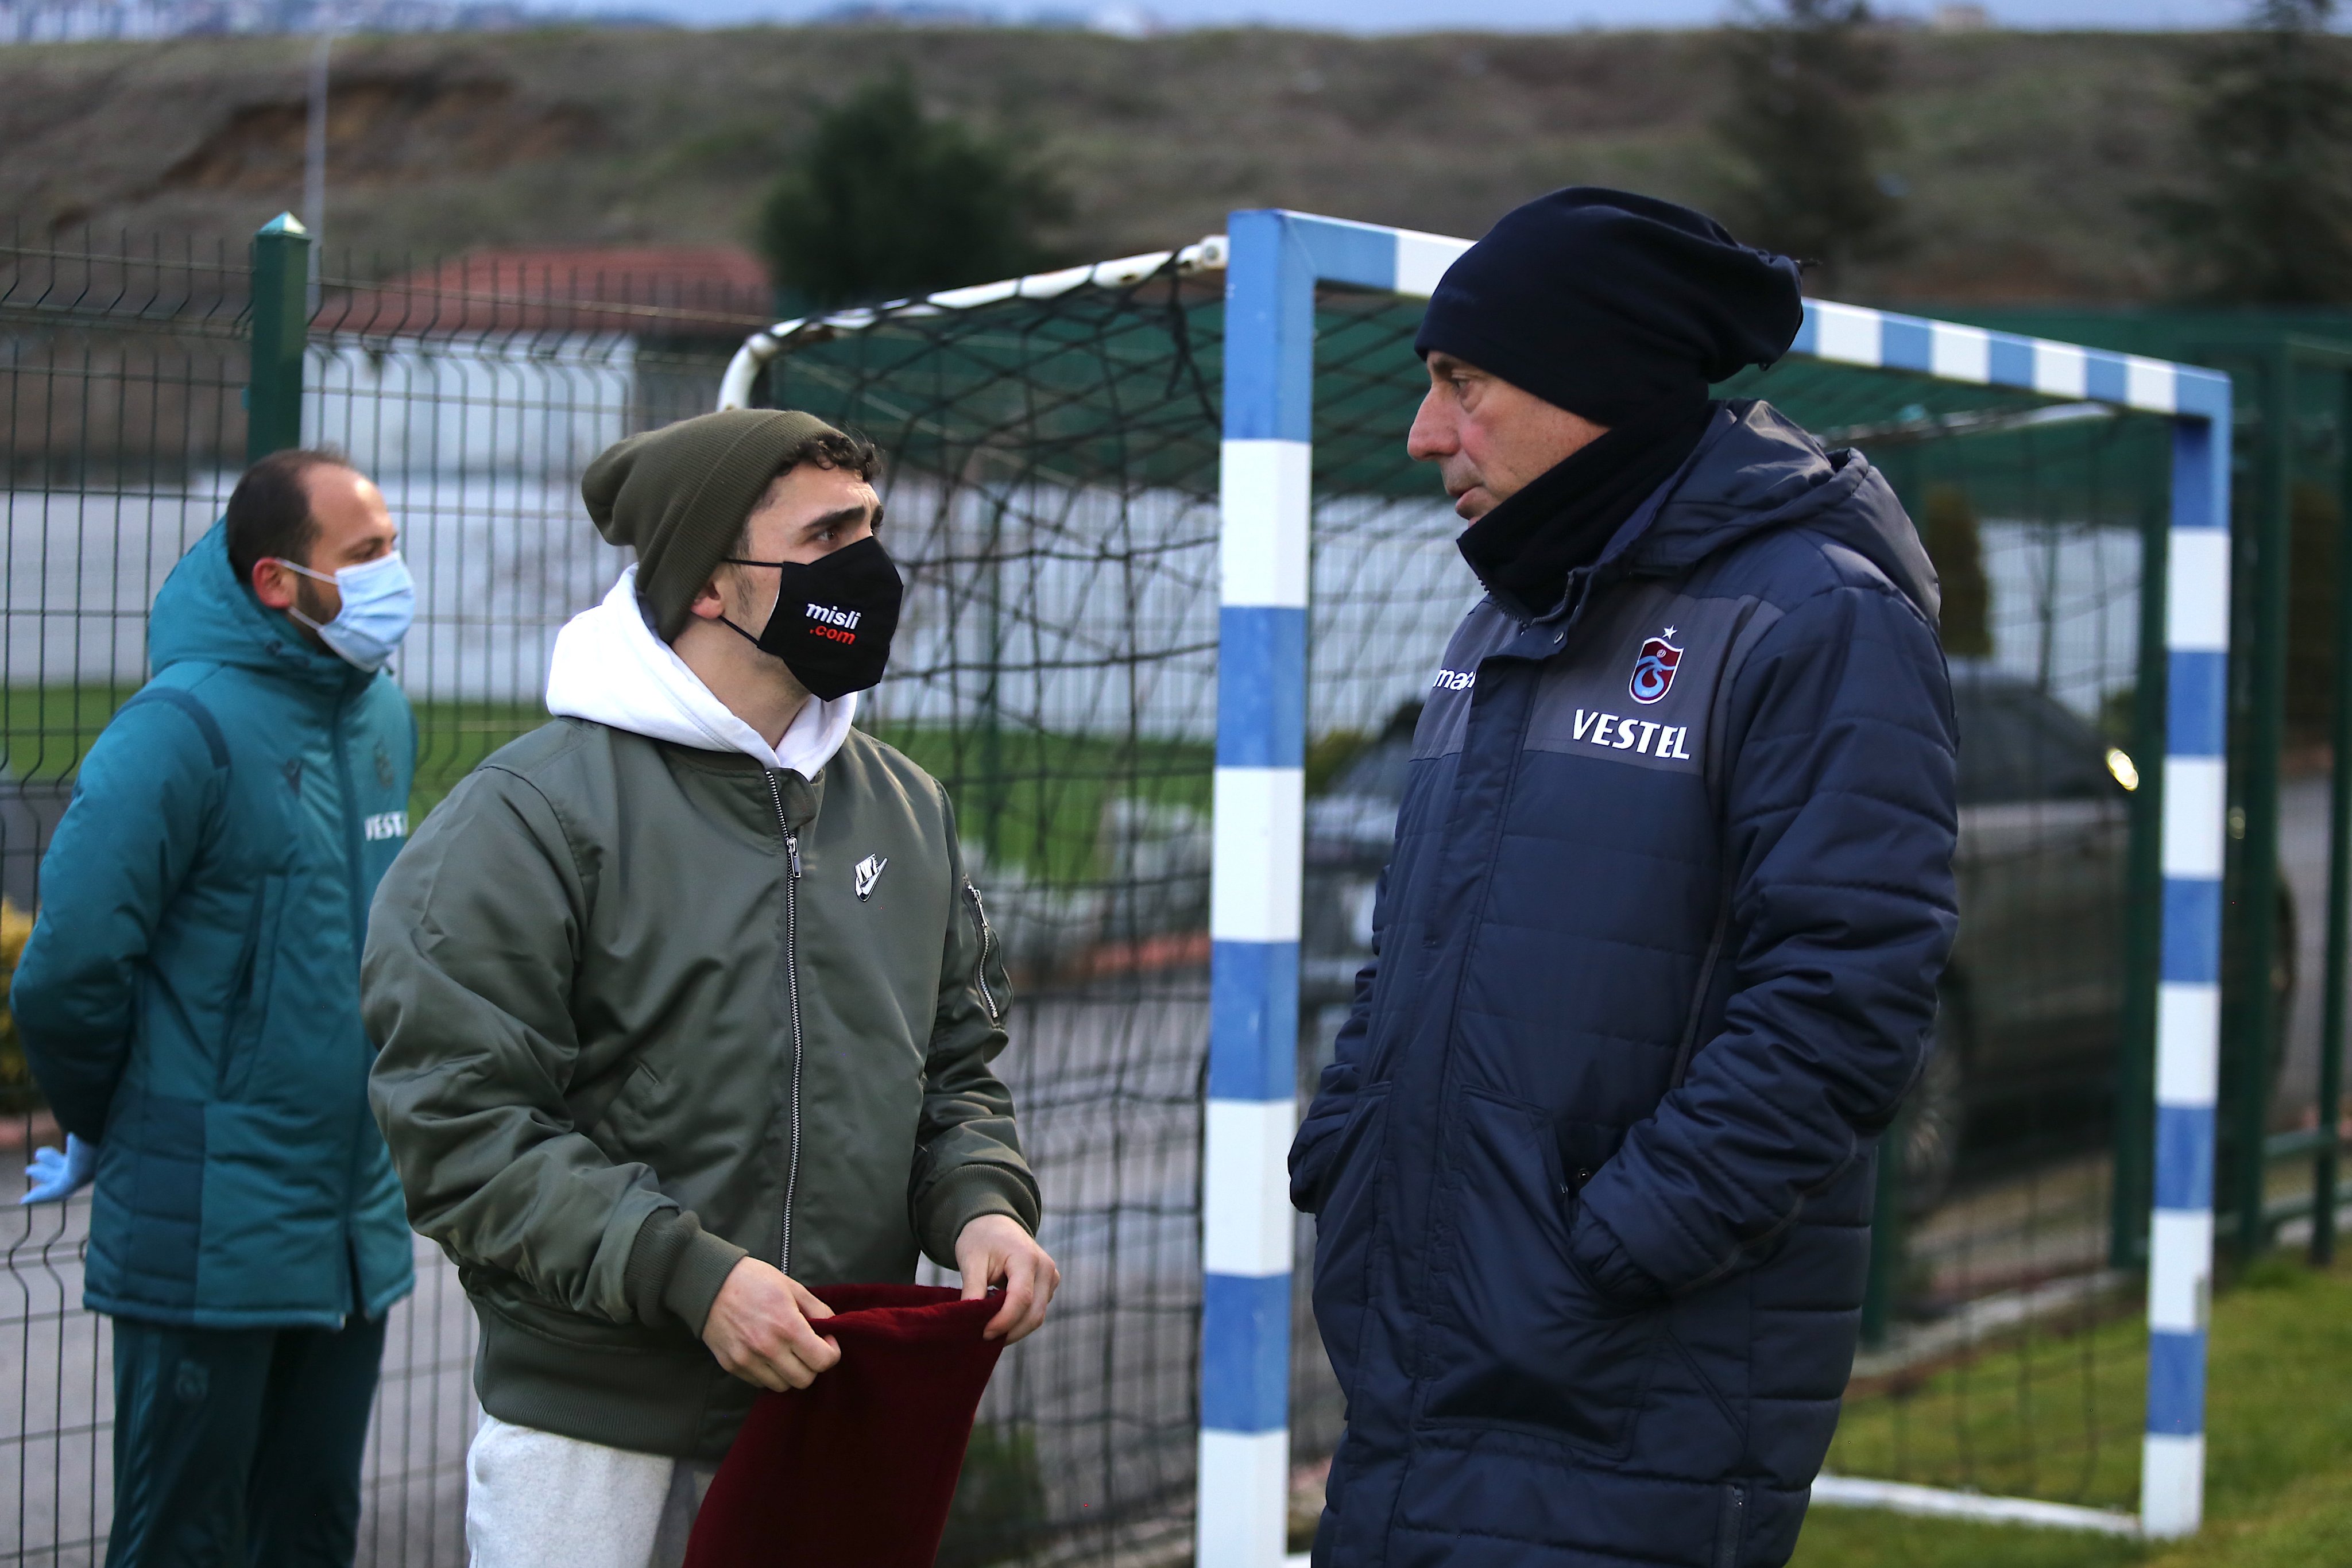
x,y
611,669
204,615
1755,471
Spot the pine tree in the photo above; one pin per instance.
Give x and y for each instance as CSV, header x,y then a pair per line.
x,y
1807,125
885,202
1955,540
2268,219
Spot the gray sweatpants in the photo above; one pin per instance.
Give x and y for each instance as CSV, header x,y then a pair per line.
x,y
537,1501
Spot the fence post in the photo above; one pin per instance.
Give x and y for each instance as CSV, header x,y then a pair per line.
x,y
2188,997
2339,860
2255,1016
281,325
1883,1284
1254,904
2135,1107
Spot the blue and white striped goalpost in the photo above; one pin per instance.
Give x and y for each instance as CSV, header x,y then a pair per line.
x,y
2189,995
1274,260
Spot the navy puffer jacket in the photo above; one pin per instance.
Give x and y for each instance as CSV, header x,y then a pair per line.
x,y
1657,959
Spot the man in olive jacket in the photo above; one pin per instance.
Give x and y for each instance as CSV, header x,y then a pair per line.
x,y
685,998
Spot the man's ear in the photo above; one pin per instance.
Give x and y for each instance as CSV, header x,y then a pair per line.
x,y
273,584
708,604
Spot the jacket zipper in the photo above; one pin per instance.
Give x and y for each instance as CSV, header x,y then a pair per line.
x,y
1730,1526
338,739
792,992
987,951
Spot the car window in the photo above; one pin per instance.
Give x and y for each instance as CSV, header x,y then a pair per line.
x,y
2067,761
1991,762
2017,744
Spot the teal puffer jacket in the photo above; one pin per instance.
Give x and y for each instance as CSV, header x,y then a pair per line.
x,y
190,994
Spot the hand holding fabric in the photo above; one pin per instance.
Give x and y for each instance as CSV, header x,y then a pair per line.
x,y
996,1250
759,1328
857,1470
55,1176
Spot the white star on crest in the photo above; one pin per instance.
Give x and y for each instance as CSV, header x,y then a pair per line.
x,y
1670,632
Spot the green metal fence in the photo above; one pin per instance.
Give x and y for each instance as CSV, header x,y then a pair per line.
x,y
2284,1040
1053,492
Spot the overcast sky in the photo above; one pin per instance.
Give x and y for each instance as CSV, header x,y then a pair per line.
x,y
1416,15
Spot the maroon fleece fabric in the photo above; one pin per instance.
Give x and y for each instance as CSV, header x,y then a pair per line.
x,y
857,1470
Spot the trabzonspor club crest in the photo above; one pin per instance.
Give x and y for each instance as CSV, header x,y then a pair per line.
x,y
1654,671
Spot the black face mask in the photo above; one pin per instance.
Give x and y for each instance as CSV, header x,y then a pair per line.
x,y
833,618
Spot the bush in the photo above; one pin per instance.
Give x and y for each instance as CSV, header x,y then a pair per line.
x,y
998,1515
17,1092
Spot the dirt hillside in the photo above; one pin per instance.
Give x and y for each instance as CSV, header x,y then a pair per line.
x,y
2023,152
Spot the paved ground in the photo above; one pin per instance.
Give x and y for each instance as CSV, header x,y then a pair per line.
x,y
1109,1084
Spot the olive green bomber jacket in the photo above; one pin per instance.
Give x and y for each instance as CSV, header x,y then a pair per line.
x,y
644,1009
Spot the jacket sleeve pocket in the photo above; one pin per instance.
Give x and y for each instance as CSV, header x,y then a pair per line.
x,y
991,985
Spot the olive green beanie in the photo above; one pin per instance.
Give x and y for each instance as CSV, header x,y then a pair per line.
x,y
678,495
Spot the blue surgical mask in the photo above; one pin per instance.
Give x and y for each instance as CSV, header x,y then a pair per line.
x,y
379,604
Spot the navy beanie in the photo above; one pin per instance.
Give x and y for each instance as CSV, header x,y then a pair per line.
x,y
1605,303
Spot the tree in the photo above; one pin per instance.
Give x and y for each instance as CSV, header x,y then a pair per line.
x,y
1954,542
2268,217
1807,126
885,202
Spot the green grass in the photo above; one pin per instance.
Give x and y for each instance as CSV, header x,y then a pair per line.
x,y
2055,1416
1035,800
2279,1483
2305,1524
46,731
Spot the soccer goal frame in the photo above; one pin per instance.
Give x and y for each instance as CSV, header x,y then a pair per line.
x,y
1273,262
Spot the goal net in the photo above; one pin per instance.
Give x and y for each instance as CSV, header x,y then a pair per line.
x,y
1053,493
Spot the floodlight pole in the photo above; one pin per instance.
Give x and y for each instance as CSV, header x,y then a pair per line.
x,y
2189,993
314,147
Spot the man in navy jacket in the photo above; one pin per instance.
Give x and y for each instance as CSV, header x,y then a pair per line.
x,y
1658,945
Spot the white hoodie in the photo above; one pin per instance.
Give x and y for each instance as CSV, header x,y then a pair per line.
x,y
610,668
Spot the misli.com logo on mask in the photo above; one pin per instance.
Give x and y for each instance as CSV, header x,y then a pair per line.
x,y
833,623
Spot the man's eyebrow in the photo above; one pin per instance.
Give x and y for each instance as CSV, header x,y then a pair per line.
x,y
842,517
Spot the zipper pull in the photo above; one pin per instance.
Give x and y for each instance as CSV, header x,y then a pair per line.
x,y
793,850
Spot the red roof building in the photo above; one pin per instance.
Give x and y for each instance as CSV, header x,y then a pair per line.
x,y
671,291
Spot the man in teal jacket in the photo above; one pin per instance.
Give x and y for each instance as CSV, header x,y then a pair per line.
x,y
189,1003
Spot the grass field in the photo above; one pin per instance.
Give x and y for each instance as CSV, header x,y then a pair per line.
x,y
1035,800
2279,1488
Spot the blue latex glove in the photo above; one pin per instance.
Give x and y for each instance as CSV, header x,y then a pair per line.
x,y
55,1176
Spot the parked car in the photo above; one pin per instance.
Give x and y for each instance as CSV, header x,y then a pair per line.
x,y
2032,1000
